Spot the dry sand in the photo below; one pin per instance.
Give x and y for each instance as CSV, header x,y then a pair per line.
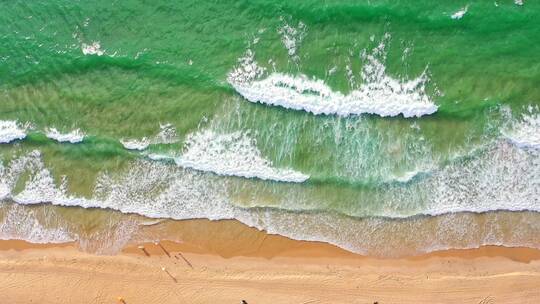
x,y
279,270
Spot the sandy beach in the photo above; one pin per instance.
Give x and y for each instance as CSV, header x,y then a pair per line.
x,y
278,270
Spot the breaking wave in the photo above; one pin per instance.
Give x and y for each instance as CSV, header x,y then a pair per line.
x,y
233,154
379,93
73,137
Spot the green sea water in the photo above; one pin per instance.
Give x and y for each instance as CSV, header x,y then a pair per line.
x,y
167,134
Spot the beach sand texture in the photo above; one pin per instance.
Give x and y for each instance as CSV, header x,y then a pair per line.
x,y
279,271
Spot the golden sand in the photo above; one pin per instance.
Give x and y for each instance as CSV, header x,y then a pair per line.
x,y
261,268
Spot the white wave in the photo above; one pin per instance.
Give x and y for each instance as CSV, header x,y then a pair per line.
x,y
92,49
20,223
73,137
43,224
11,130
167,134
161,191
518,2
412,236
525,133
502,178
169,189
379,93
459,14
233,154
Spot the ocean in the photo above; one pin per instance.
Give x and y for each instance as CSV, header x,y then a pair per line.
x,y
387,128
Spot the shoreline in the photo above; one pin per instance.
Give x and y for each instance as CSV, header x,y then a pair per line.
x,y
267,269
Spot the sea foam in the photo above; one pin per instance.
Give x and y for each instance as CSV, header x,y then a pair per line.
x,y
159,190
11,130
74,136
93,48
21,223
167,134
135,144
525,132
232,154
379,94
291,37
459,14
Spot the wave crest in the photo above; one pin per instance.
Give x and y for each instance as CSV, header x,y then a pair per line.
x,y
379,94
74,136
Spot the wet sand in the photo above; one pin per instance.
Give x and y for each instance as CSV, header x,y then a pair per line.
x,y
261,268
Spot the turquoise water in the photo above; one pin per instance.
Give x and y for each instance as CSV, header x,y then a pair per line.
x,y
315,120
